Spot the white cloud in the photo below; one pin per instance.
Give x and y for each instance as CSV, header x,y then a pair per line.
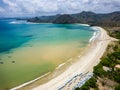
x,y
40,7
50,7
1,9
10,3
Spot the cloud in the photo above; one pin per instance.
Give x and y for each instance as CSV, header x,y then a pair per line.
x,y
10,3
46,7
1,9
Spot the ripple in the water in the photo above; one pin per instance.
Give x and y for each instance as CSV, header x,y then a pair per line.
x,y
28,51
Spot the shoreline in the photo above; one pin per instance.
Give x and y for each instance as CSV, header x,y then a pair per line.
x,y
27,83
14,53
95,34
92,41
83,24
84,64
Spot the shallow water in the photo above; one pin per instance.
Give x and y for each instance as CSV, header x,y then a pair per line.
x,y
29,50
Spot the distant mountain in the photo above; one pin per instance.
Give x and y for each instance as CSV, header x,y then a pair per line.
x,y
85,17
49,19
65,19
43,19
35,20
110,19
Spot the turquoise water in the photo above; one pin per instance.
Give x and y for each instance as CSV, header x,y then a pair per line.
x,y
15,33
29,50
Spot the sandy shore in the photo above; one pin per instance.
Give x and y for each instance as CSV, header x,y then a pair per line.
x,y
85,63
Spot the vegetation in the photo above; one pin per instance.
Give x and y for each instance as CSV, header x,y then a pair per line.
x,y
112,55
117,87
115,34
91,83
35,20
109,60
63,19
109,20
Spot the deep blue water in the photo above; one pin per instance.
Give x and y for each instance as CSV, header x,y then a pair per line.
x,y
15,33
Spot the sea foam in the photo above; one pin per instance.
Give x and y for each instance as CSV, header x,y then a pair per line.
x,y
18,22
21,22
95,34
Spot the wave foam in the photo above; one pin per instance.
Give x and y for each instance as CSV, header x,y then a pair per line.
x,y
21,22
95,34
27,83
18,22
60,65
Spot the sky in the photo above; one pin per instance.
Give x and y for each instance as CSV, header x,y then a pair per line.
x,y
28,8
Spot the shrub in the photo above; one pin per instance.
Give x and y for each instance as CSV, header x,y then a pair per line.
x,y
117,87
98,70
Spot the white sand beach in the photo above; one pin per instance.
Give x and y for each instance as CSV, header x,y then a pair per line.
x,y
85,63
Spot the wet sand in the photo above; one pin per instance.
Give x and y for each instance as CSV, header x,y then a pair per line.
x,y
35,61
84,64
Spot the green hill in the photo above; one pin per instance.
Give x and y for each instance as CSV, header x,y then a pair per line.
x,y
110,19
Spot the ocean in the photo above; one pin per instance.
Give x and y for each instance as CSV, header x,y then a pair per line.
x,y
29,50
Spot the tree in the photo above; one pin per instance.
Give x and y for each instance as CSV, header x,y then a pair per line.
x,y
117,87
98,70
